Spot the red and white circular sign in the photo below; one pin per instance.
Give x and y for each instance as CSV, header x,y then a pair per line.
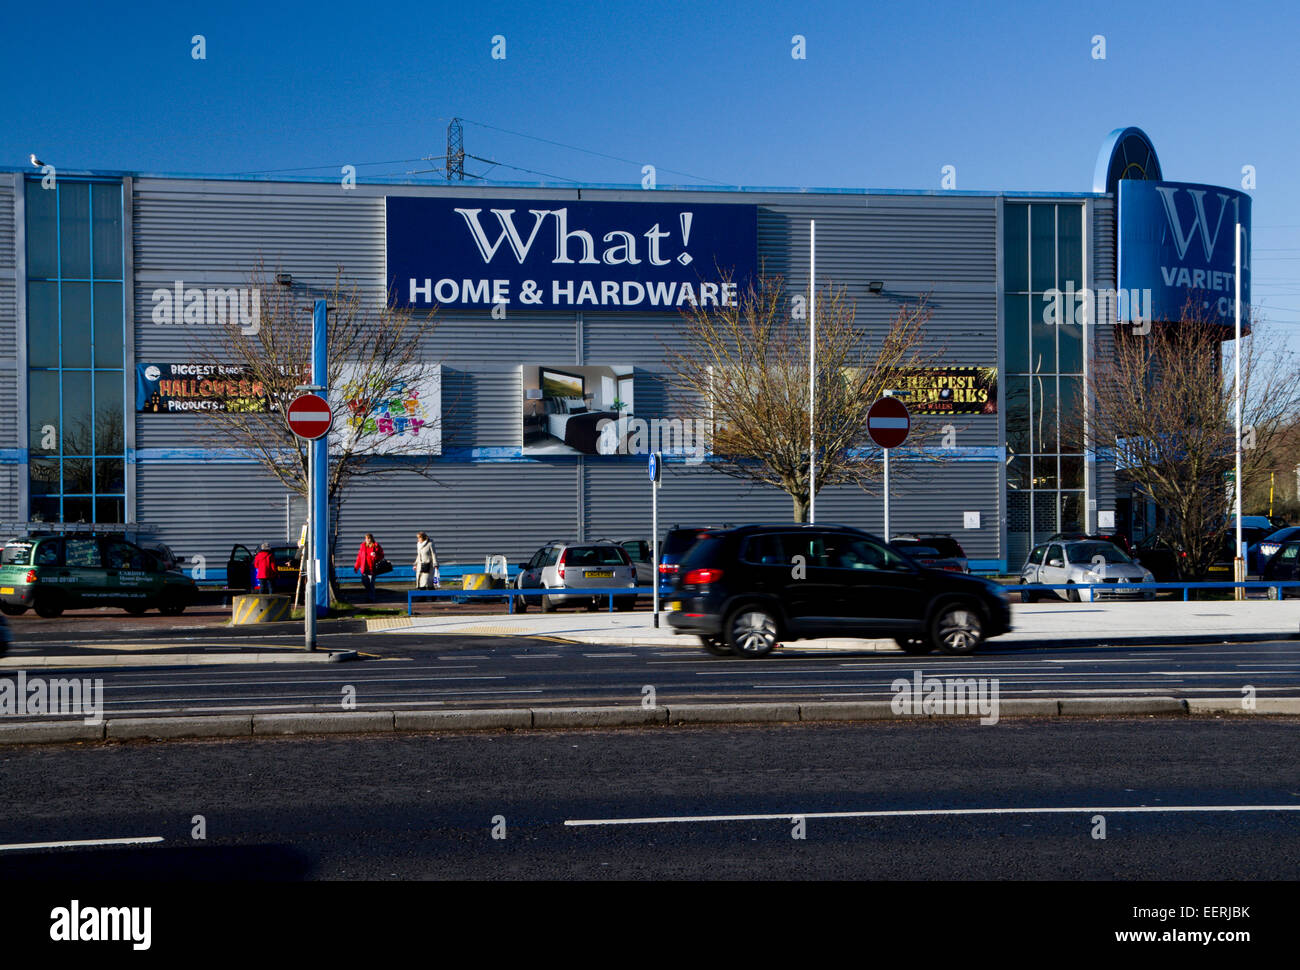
x,y
310,417
888,422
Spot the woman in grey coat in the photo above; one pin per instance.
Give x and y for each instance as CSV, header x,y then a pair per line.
x,y
426,562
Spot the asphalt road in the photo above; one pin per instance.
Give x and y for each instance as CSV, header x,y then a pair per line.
x,y
413,671
425,807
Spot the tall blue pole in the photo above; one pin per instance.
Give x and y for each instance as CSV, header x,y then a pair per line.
x,y
320,512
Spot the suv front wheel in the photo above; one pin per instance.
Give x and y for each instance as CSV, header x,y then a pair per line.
x,y
751,632
957,629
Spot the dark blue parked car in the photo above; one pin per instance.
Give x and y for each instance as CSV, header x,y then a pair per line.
x,y
1259,554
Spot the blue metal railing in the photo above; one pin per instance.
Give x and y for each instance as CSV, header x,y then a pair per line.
x,y
1128,587
509,593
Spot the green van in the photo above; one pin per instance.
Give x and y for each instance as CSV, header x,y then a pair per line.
x,y
51,574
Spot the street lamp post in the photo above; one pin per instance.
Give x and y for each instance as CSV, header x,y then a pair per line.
x,y
812,370
1238,562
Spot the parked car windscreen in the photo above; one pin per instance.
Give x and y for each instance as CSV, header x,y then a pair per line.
x,y
917,551
595,556
1085,552
945,546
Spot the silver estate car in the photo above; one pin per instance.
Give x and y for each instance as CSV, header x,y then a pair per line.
x,y
1081,563
559,565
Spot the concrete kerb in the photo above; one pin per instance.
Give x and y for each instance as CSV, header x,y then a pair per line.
x,y
388,722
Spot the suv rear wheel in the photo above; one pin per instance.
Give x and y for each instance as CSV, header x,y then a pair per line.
x,y
957,629
173,604
548,604
751,632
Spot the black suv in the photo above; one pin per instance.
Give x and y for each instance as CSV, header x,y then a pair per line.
x,y
744,590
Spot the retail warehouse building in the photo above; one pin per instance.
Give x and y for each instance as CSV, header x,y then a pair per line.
x,y
102,416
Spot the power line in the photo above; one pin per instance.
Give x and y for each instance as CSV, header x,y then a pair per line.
x,y
576,148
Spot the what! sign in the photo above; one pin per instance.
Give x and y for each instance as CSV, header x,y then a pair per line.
x,y
532,254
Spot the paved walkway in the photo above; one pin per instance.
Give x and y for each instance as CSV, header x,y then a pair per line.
x,y
1063,622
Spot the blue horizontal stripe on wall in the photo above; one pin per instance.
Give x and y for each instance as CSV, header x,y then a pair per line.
x,y
516,456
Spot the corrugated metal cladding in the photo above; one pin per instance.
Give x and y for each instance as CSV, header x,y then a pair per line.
x,y
690,495
210,233
10,185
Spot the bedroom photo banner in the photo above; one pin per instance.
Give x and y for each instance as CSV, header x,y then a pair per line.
x,y
577,410
533,254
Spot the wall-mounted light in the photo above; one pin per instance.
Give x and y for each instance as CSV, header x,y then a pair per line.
x,y
533,393
284,279
876,286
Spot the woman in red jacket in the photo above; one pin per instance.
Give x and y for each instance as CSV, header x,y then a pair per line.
x,y
368,556
264,568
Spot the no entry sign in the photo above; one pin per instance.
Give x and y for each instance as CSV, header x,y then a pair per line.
x,y
888,422
310,417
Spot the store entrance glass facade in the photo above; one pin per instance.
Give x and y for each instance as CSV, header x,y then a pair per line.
x,y
76,420
1043,249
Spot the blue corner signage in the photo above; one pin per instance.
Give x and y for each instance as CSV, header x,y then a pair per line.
x,y
1176,241
534,254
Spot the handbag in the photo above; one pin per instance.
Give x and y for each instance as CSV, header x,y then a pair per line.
x,y
383,566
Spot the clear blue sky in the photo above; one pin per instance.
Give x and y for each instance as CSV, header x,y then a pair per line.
x,y
1009,94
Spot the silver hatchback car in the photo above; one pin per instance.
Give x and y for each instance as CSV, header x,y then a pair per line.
x,y
560,565
1082,563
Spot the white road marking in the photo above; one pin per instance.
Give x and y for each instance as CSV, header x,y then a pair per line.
x,y
79,843
922,812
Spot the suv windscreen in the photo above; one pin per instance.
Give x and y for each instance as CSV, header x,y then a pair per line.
x,y
596,556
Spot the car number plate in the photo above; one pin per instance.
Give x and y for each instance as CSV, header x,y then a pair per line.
x,y
7,589
600,574
675,605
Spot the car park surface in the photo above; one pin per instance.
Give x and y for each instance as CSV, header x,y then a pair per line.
x,y
744,590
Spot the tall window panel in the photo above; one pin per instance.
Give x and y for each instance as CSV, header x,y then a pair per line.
x,y
76,339
1042,247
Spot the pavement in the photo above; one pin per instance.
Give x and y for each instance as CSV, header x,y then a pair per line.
x,y
1033,623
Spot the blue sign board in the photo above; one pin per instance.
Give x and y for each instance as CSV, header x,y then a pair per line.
x,y
1176,241
535,254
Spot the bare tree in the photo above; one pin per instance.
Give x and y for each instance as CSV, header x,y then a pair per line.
x,y
1162,406
375,371
743,372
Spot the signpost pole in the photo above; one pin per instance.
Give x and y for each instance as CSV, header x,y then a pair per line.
x,y
655,470
319,498
886,494
307,562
